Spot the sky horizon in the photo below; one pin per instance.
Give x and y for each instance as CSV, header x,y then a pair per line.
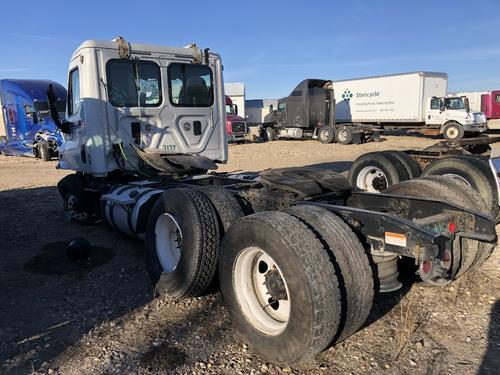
x,y
271,47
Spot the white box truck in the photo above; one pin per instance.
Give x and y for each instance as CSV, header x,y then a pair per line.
x,y
408,100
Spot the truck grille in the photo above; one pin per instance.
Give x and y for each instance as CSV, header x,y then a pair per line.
x,y
239,127
479,118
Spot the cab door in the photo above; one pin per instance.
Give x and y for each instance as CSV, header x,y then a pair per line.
x,y
281,114
74,146
436,113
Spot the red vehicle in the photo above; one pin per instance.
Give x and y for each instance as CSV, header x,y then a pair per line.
x,y
490,105
236,126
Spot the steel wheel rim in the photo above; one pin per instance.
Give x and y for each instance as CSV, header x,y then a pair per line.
x,y
249,283
324,135
168,240
342,135
73,211
452,133
372,179
457,177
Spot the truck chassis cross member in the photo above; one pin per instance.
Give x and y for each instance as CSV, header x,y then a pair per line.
x,y
300,254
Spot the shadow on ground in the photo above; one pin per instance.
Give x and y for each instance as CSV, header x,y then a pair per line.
x,y
491,360
48,301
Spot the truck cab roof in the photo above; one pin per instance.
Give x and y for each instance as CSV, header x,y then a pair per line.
x,y
140,49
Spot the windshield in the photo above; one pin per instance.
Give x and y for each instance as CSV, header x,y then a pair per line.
x,y
230,109
455,103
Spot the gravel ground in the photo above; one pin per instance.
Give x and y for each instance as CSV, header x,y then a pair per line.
x,y
101,317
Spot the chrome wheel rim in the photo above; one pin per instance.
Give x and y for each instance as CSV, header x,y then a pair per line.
x,y
73,210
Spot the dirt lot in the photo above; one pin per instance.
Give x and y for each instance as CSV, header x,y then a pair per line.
x,y
100,317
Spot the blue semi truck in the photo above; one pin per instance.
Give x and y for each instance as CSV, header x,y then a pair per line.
x,y
26,128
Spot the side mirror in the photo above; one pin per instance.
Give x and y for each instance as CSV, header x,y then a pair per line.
x,y
270,108
235,109
51,99
441,105
467,105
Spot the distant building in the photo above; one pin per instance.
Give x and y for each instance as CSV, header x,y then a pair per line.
x,y
257,109
236,91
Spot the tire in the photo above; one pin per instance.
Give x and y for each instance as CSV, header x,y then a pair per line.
x,y
354,273
344,135
446,191
376,171
410,164
79,206
472,170
270,134
186,268
226,205
280,249
453,131
43,150
326,134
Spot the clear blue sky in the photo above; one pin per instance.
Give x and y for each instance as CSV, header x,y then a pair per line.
x,y
269,45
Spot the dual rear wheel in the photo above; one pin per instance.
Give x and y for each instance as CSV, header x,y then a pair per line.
x,y
293,282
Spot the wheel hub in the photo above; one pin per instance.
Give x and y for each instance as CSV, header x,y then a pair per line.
x,y
372,179
275,285
74,209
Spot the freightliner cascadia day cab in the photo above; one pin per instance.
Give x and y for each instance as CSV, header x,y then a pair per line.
x,y
236,126
309,112
26,127
415,100
294,248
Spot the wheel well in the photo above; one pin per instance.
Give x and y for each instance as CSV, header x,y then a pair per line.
x,y
448,123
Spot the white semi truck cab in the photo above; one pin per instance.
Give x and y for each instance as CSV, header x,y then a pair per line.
x,y
454,117
137,107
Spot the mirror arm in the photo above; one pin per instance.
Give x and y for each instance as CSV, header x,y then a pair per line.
x,y
51,98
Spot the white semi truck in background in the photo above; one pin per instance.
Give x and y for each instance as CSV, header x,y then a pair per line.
x,y
300,255
416,100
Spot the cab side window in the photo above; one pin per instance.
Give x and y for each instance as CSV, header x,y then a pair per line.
x,y
74,92
281,107
435,103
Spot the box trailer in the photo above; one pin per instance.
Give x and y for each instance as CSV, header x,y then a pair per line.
x,y
408,100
